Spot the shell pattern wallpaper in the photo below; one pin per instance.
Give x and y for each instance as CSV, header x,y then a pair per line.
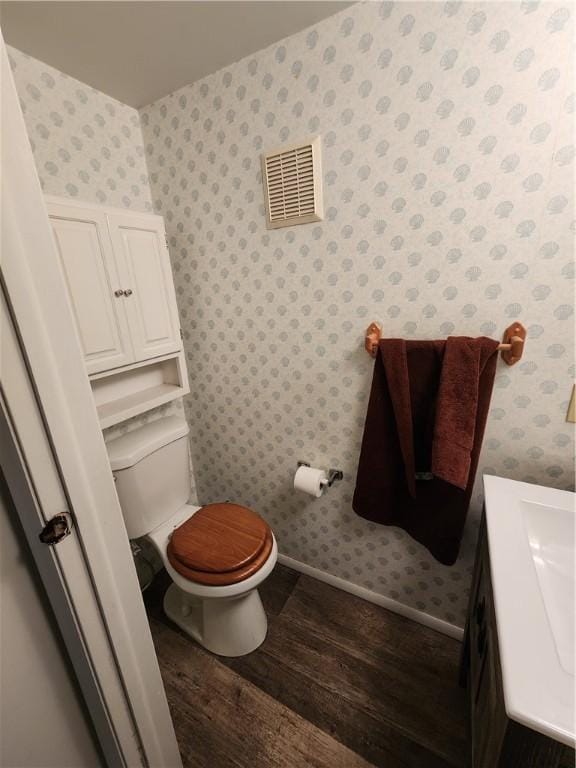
x,y
448,169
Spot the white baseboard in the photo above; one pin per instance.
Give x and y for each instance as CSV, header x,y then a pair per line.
x,y
372,597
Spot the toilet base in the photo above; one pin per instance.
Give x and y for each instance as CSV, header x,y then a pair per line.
x,y
226,626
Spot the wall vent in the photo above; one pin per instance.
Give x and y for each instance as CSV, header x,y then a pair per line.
x,y
292,177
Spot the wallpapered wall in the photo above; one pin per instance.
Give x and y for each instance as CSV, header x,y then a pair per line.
x,y
86,145
447,159
448,163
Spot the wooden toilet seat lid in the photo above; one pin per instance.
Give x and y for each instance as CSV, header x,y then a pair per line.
x,y
220,544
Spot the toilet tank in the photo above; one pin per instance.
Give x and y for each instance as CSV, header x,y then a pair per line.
x,y
152,473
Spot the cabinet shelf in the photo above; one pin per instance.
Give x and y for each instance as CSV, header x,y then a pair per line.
x,y
128,392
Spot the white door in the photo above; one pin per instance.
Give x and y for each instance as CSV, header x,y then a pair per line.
x,y
94,287
140,244
36,681
54,460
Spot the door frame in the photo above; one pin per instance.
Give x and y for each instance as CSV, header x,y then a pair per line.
x,y
40,314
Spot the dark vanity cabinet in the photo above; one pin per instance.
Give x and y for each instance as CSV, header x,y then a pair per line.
x,y
496,741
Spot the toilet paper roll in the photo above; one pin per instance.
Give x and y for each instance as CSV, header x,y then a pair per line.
x,y
310,480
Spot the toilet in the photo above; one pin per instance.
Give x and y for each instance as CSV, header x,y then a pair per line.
x,y
217,555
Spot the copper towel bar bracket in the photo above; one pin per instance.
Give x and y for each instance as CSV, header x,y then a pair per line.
x,y
512,345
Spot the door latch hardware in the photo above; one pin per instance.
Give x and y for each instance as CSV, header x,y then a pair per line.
x,y
56,529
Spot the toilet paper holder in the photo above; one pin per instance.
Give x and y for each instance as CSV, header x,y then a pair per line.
x,y
333,474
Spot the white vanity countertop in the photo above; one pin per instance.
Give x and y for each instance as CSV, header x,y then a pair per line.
x,y
538,684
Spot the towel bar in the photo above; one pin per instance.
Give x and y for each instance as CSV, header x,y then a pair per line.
x,y
512,345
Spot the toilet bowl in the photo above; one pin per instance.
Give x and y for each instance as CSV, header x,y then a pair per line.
x,y
228,620
217,555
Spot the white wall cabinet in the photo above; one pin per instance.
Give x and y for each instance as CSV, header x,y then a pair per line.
x,y
117,270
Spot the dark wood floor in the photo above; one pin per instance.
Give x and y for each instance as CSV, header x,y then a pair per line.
x,y
338,683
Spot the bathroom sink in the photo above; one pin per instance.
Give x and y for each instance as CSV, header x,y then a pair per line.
x,y
550,533
531,542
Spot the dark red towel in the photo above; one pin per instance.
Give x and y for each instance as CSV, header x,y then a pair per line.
x,y
424,427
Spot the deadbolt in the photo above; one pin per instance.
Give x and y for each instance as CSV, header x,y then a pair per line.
x,y
56,529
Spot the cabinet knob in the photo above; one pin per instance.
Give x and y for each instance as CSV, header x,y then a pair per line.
x,y
119,292
128,292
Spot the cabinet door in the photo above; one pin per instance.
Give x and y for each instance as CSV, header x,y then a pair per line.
x,y
94,287
141,252
489,720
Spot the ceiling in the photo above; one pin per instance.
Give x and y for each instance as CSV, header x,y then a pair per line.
x,y
138,51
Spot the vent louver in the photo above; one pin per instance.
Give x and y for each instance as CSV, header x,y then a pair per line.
x,y
292,184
